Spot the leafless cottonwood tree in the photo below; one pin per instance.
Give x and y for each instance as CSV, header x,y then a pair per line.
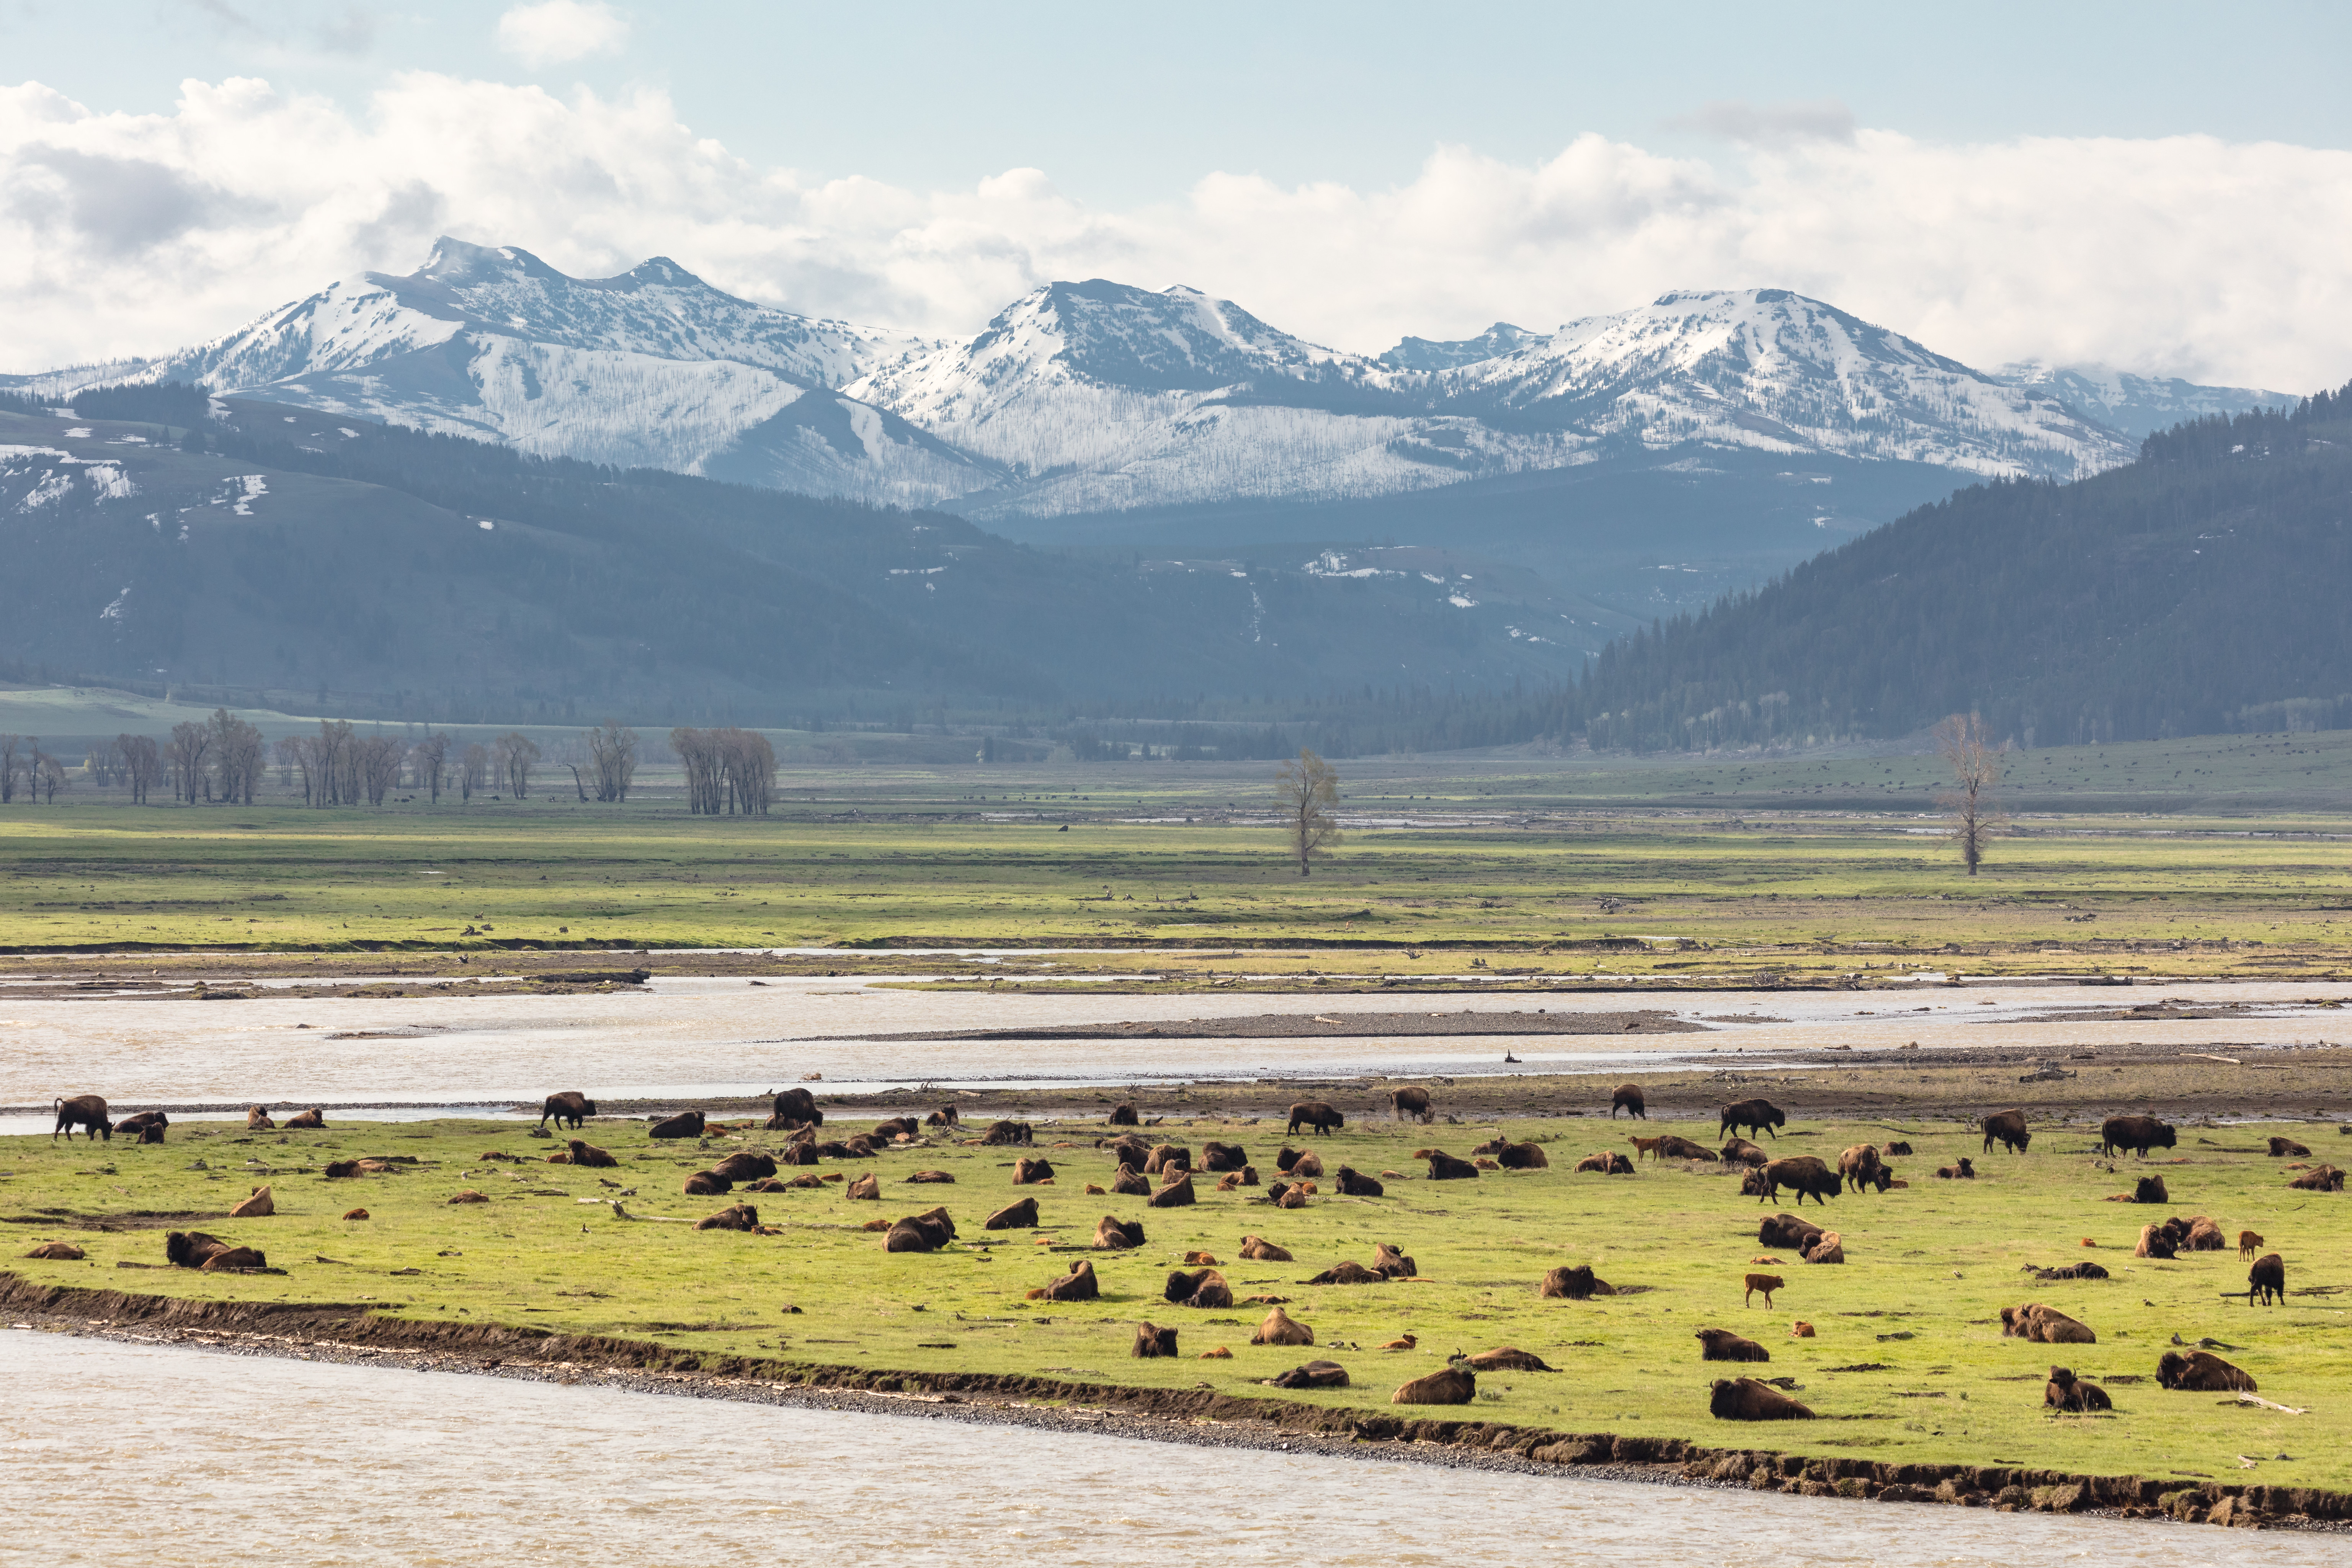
x,y
473,771
612,751
239,753
516,754
189,746
1309,791
1972,804
142,764
9,746
731,771
430,761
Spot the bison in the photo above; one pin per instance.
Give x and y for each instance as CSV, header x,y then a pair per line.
x,y
260,1205
1317,1114
2249,1242
1202,1288
256,1120
1454,1385
2006,1128
568,1109
943,1178
864,1187
1167,1156
1722,1344
2320,1179
2155,1241
2136,1133
1629,1100
1021,1216
57,1252
2281,1148
1858,1167
1176,1194
794,1108
2065,1390
1112,1235
1285,1157
2044,1325
1964,1172
1675,1147
1313,1374
1805,1172
707,1184
312,1121
1078,1285
897,1127
1307,1166
1413,1102
2204,1236
2201,1371
2073,1271
87,1112
140,1126
1125,1116
1577,1284
1259,1250
1281,1328
2150,1190
1507,1358
1745,1399
1153,1341
588,1155
1217,1157
1898,1146
1444,1167
798,1152
1354,1186
925,1232
1028,1172
1740,1152
735,1216
1755,1115
1607,1162
1348,1271
1766,1283
2267,1280
685,1124
1001,1134
1131,1182
1788,1230
1827,1248
745,1166
1523,1157
945,1116
194,1249
1391,1263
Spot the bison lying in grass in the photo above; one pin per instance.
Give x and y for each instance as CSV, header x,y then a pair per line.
x,y
2044,1325
1454,1385
2201,1371
925,1232
1575,1284
2065,1390
1745,1399
1078,1285
1722,1344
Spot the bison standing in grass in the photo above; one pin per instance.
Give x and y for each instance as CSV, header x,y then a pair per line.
x,y
1755,1115
795,1108
1413,1102
87,1112
1317,1114
1859,1167
569,1108
1630,1099
2006,1128
2267,1281
2136,1133
1806,1174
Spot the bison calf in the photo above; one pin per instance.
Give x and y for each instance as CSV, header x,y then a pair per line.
x,y
1765,1283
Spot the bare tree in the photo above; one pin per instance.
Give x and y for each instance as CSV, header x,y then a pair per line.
x,y
516,753
1308,790
238,756
614,752
300,752
190,744
9,748
143,764
51,776
728,771
1976,765
103,762
473,770
376,760
431,760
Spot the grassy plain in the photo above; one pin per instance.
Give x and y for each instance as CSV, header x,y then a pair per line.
x,y
1908,1362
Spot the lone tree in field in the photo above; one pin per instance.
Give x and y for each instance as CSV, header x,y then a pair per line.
x,y
1976,764
1308,790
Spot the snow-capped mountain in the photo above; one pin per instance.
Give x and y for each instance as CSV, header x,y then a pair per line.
x,y
2137,405
1422,353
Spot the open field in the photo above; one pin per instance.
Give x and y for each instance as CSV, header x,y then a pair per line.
x,y
1907,1363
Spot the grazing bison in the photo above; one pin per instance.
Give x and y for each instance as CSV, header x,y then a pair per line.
x,y
1153,1341
1788,1230
1964,1172
1722,1344
945,1116
735,1216
1202,1288
925,1232
1413,1102
2281,1148
260,1205
2065,1390
1125,1116
1222,1156
1806,1174
2201,1371
2150,1190
1745,1399
1507,1358
865,1186
744,1165
2136,1133
2249,1242
1454,1386
1131,1182
1314,1374
1766,1283
568,1109
1897,1147
1314,1113
1004,1133
57,1252
1523,1157
1021,1216
1028,1172
1391,1263
256,1120
794,1108
1858,1167
2044,1325
1281,1328
87,1112
2320,1179
1259,1250
1176,1194
1118,1235
1352,1185
685,1124
1755,1115
2006,1128
1577,1284
1444,1167
138,1127
1629,1100
707,1184
1349,1272
589,1154
1078,1285
1740,1152
2267,1278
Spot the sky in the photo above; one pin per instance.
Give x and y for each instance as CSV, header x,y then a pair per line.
x,y
2161,187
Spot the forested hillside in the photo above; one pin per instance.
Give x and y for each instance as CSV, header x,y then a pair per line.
x,y
2198,590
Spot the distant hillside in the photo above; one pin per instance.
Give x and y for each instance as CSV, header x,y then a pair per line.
x,y
2198,590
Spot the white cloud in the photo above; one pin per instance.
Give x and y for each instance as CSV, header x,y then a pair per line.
x,y
552,31
2185,254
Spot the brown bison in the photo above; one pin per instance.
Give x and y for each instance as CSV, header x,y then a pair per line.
x,y
1806,1174
945,1116
140,1126
589,1154
260,1205
1348,1271
1028,1172
1765,1283
794,1108
745,1166
1125,1116
1285,1157
1117,1234
2150,1190
2156,1241
1859,1168
2006,1128
312,1121
1314,1374
1216,1157
1745,1399
2267,1278
2065,1390
1577,1284
897,1127
194,1249
1788,1230
736,1217
1673,1147
1281,1328
1202,1288
2201,1371
1963,1171
865,1186
57,1252
1001,1134
1740,1152
1131,1182
1454,1385
1307,1166
1507,1358
2204,1236
707,1184
942,1178
1629,1100
1827,1248
2283,1147
1153,1341
1315,1113
1021,1216
256,1120
355,1214
1722,1344
798,1153
1167,1156
1896,1147
1413,1102
568,1109
1444,1167
1128,1149
920,1233
1352,1185
87,1112
1523,1157
1176,1194
2136,1133
1606,1163
2044,1325
1755,1115
2249,1242
2320,1179
1078,1285
1259,1250
2073,1271
685,1124
1393,1263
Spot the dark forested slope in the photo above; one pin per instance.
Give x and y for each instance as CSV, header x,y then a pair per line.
x,y
2199,590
